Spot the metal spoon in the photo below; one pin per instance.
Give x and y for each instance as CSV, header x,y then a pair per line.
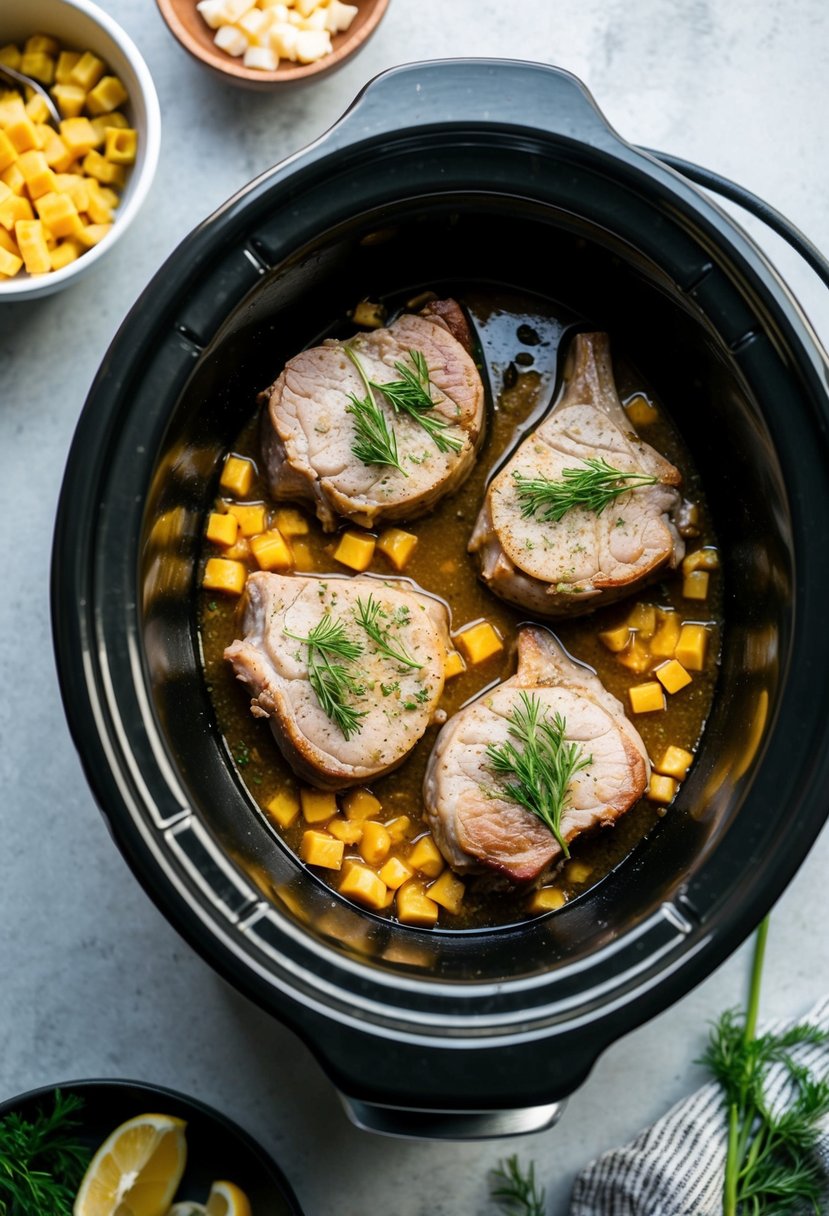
x,y
15,77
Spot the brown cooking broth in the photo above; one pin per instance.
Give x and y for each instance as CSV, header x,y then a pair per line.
x,y
521,344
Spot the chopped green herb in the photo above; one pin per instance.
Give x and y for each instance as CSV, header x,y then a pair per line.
x,y
516,1192
592,486
42,1159
369,617
332,681
375,442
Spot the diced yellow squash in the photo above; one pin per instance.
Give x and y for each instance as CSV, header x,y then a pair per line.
x,y
362,884
13,209
222,529
12,109
110,198
103,170
79,135
93,234
643,620
320,849
636,657
10,263
39,66
121,145
399,828
663,642
237,476
369,315
646,698
426,857
98,209
107,95
58,156
10,56
317,805
701,559
615,639
547,899
59,214
41,42
577,872
397,545
375,843
283,808
271,551
355,550
70,100
31,241
292,522
39,177
640,411
414,906
691,647
695,585
8,152
675,762
661,789
479,642
76,187
348,833
252,516
303,557
103,123
672,676
395,872
359,804
13,178
220,574
65,64
454,665
87,71
8,242
23,134
448,891
37,109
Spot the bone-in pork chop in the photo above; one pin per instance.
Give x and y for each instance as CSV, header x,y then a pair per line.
x,y
387,644
561,567
310,429
477,827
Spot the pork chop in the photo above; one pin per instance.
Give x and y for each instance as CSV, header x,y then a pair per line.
x,y
569,566
476,826
309,435
388,697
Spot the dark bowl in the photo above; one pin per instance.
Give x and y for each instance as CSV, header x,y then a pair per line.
x,y
216,1146
487,1028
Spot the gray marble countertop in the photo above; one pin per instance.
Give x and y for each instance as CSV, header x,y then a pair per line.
x,y
94,981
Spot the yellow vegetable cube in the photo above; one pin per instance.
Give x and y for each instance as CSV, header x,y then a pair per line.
x,y
291,522
37,109
8,242
97,207
237,476
479,642
121,145
369,315
10,56
107,95
317,805
320,849
615,639
646,698
691,647
31,241
39,177
636,657
701,559
361,804
675,762
448,891
93,234
271,551
13,209
220,574
13,178
59,214
414,906
58,156
426,857
395,872
41,42
22,134
65,64
70,99
577,872
87,71
356,550
672,676
12,109
39,65
399,828
283,808
661,789
222,529
548,899
397,545
663,642
375,843
10,263
103,122
640,411
362,884
8,152
79,135
643,620
348,833
110,198
252,517
695,585
103,170
454,664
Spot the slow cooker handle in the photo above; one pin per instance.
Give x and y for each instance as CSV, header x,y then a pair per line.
x,y
531,95
406,1123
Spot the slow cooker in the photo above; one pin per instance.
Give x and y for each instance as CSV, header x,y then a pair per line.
x,y
446,172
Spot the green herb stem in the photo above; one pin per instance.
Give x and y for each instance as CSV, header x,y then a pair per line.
x,y
369,615
332,682
42,1160
515,1191
591,486
375,441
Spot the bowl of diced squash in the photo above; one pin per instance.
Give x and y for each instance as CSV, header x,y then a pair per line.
x,y
69,189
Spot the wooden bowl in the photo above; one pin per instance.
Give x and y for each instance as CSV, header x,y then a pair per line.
x,y
192,32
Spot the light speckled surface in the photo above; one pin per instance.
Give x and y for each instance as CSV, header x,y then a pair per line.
x,y
94,982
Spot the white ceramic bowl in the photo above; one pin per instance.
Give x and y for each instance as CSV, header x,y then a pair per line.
x,y
83,26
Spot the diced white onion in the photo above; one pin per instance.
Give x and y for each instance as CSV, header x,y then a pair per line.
x,y
261,57
229,39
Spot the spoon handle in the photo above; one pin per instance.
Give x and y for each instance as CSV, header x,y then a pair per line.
x,y
15,77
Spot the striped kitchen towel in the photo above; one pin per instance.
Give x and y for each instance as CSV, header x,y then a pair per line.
x,y
676,1167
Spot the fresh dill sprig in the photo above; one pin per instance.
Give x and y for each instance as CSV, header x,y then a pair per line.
x,y
332,681
770,1164
42,1160
515,1191
376,442
412,395
538,776
369,614
592,486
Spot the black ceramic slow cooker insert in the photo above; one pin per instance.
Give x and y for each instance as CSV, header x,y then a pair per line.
x,y
474,172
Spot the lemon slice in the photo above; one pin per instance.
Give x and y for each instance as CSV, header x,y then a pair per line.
x,y
226,1199
136,1171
